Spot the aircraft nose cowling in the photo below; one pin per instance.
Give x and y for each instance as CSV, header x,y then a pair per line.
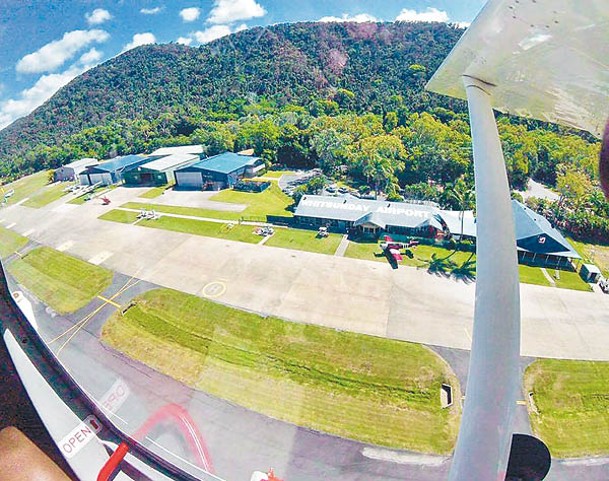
x,y
603,166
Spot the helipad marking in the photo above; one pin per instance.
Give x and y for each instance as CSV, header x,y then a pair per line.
x,y
65,246
10,226
80,436
214,289
101,257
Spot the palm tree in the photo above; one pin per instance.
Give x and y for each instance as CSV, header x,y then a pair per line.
x,y
466,271
464,197
440,266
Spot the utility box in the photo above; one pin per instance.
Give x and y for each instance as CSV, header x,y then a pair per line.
x,y
590,273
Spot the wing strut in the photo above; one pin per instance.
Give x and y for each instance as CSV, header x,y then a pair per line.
x,y
485,437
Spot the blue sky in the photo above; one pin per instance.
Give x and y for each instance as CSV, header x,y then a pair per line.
x,y
44,43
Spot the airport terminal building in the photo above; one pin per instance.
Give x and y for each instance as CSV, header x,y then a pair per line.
x,y
537,241
369,217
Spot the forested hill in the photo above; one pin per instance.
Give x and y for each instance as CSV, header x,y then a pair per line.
x,y
323,67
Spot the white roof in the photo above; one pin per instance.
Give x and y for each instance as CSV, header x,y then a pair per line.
x,y
81,163
181,149
453,221
170,161
548,59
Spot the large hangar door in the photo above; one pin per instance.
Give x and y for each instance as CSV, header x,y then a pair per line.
x,y
189,180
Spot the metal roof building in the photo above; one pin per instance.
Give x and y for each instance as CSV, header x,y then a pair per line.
x,y
160,171
536,235
72,170
218,172
111,171
369,216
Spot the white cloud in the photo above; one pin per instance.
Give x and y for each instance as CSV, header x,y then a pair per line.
x,y
431,14
151,11
190,14
228,11
97,16
463,24
184,40
56,53
241,27
39,93
359,18
212,33
140,39
91,57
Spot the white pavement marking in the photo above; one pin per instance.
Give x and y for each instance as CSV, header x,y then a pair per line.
x,y
399,457
342,247
22,201
10,226
101,257
213,290
28,232
585,462
548,276
65,246
264,239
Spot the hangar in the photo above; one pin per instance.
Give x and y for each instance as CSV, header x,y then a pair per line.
x,y
218,172
160,171
111,171
72,170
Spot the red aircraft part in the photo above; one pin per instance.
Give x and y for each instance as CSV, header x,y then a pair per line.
x,y
182,420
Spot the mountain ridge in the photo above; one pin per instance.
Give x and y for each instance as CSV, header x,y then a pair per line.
x,y
295,63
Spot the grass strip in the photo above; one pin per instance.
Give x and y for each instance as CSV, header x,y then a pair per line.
x,y
372,389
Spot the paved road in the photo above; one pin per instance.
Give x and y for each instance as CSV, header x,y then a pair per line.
x,y
361,296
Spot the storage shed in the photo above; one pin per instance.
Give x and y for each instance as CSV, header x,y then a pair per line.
x,y
72,170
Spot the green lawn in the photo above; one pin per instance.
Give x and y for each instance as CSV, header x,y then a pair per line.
x,y
191,211
59,280
260,204
570,280
572,398
304,240
117,215
593,254
26,186
47,195
421,254
532,275
10,242
241,233
367,388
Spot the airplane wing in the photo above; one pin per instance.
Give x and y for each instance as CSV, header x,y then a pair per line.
x,y
547,59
